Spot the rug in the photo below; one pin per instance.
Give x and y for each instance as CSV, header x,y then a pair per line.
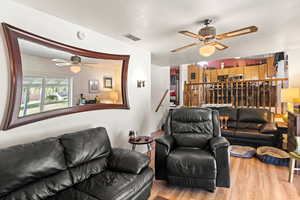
x,y
242,151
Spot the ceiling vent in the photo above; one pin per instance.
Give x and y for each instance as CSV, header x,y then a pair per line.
x,y
132,37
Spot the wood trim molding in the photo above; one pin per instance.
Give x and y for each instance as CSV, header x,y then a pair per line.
x,y
11,120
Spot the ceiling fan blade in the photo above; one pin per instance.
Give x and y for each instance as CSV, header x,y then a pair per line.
x,y
190,34
219,45
65,64
59,60
184,47
243,31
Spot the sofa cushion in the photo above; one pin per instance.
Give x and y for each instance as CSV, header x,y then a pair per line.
x,y
253,115
249,125
228,132
232,124
269,127
33,171
191,162
135,161
253,134
192,127
115,185
86,152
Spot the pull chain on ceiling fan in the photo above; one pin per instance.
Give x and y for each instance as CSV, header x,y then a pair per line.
x,y
207,36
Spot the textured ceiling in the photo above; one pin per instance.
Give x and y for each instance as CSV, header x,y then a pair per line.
x,y
156,22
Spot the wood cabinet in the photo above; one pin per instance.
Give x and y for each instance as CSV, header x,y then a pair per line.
x,y
236,70
251,73
214,75
262,71
197,74
193,73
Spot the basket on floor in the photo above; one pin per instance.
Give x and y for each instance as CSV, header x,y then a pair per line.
x,y
272,155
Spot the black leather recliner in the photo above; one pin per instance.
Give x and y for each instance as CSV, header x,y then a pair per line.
x,y
77,166
192,152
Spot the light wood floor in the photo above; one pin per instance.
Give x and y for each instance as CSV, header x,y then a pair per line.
x,y
250,180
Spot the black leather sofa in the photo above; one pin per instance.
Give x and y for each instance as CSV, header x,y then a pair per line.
x,y
77,166
192,152
250,127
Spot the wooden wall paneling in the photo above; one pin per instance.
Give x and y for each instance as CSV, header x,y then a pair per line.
x,y
271,71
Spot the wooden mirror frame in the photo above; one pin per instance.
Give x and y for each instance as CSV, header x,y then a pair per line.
x,y
12,119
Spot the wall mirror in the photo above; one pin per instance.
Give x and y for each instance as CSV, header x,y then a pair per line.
x,y
49,79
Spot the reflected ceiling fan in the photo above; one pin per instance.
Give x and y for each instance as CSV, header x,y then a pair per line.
x,y
74,63
207,37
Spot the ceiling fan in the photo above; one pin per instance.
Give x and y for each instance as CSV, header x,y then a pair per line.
x,y
74,63
207,37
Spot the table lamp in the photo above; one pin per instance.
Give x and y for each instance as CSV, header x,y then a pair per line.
x,y
288,95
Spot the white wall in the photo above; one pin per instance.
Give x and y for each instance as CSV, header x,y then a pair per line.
x,y
117,122
183,72
160,82
294,67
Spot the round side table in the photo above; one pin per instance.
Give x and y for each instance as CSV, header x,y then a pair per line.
x,y
140,140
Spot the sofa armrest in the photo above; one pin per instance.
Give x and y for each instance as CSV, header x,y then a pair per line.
x,y
124,160
164,145
218,142
269,127
167,141
219,147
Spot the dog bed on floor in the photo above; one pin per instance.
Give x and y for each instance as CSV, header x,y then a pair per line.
x,y
242,151
272,155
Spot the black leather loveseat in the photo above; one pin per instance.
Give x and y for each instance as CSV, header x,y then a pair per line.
x,y
77,166
192,152
250,127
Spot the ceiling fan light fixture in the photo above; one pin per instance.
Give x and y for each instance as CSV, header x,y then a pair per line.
x,y
207,50
75,69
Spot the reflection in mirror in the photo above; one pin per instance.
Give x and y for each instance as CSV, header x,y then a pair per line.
x,y
55,79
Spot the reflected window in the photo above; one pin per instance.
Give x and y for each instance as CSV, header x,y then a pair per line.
x,y
40,94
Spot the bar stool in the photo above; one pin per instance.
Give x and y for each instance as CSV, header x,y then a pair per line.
x,y
294,156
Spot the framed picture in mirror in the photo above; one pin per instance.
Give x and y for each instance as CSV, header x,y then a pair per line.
x,y
94,86
108,82
50,79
